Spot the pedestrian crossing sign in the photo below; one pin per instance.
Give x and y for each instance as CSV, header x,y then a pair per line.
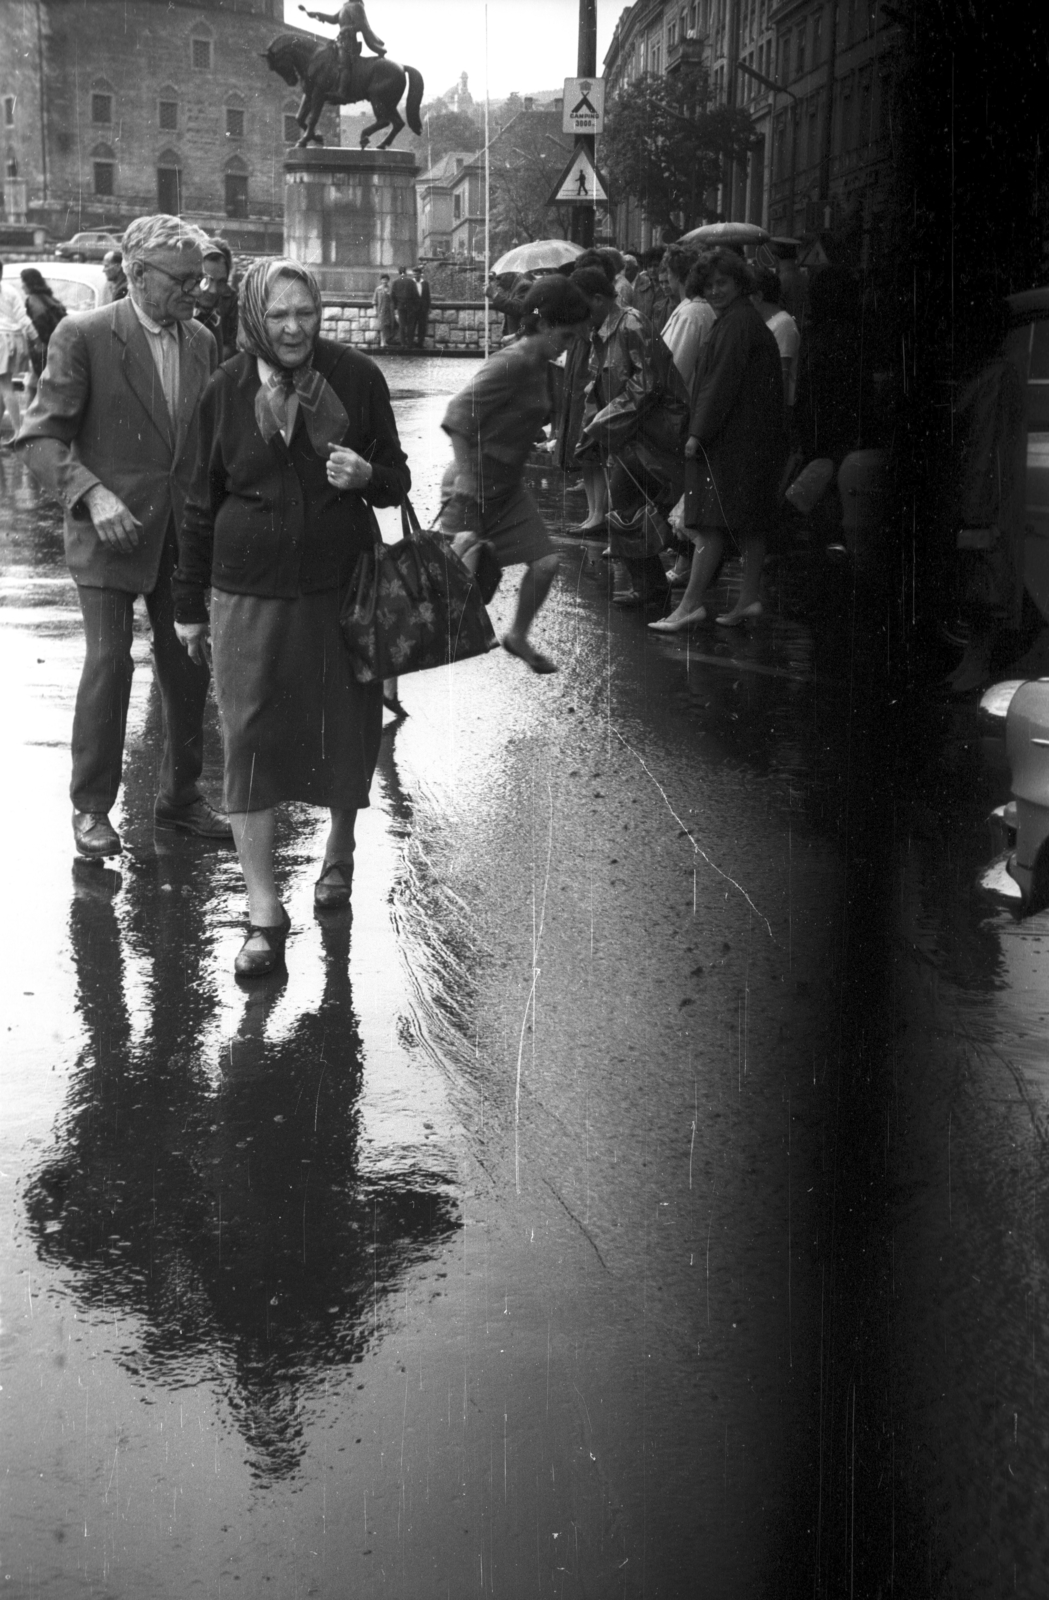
x,y
580,183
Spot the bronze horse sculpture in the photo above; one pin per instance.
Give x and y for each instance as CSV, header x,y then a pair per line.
x,y
375,78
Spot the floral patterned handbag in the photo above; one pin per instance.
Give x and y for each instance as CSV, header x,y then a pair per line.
x,y
412,605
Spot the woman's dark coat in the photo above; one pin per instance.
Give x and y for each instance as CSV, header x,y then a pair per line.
x,y
261,518
738,418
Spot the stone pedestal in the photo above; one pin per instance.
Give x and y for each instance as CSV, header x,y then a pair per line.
x,y
350,214
15,199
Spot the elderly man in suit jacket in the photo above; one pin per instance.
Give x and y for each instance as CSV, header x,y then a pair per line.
x,y
112,433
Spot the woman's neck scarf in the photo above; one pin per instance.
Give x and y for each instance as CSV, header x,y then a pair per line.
x,y
323,413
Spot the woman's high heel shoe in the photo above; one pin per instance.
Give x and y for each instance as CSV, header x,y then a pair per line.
x,y
330,894
257,963
732,619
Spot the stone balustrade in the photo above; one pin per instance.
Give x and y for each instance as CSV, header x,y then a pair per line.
x,y
453,328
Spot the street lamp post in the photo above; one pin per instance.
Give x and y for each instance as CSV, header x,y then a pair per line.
x,y
778,88
586,67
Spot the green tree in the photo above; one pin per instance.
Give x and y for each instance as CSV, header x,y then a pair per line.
x,y
444,131
665,145
526,162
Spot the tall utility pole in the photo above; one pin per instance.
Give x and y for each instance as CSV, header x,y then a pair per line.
x,y
586,67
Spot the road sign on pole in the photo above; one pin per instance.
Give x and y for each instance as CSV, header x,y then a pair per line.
x,y
584,106
580,183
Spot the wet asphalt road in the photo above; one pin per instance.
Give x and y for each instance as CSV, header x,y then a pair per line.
x,y
642,1198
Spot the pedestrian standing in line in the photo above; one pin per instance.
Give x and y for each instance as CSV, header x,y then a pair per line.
x,y
493,424
570,422
625,281
404,292
736,447
422,315
620,376
646,284
115,286
45,311
297,443
768,303
112,434
383,307
217,297
16,335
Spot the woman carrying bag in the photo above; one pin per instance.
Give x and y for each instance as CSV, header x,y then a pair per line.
x,y
45,312
493,424
736,447
297,443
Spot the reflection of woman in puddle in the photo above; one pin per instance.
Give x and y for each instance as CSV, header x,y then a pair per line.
x,y
297,441
222,1205
493,424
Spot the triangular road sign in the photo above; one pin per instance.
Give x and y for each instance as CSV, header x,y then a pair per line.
x,y
580,183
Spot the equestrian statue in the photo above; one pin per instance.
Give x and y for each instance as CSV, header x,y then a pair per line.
x,y
340,74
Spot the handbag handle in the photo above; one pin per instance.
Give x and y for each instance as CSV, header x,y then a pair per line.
x,y
410,524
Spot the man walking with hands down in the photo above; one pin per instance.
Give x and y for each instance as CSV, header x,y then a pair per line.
x,y
112,433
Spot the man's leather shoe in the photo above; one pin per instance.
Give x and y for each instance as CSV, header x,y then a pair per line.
x,y
95,835
199,817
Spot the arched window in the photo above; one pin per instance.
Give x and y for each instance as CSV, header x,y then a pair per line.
x,y
201,48
102,103
168,108
103,170
169,182
235,116
236,183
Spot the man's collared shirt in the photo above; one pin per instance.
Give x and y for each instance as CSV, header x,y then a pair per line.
x,y
164,344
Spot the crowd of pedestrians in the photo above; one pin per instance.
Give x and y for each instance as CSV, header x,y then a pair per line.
x,y
214,454
689,406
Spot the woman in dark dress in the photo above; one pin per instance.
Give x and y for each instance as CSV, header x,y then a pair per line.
x,y
493,425
45,312
297,442
736,445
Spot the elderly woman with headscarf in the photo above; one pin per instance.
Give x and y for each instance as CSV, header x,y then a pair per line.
x,y
297,443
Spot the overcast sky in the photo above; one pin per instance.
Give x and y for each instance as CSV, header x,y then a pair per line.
x,y
531,43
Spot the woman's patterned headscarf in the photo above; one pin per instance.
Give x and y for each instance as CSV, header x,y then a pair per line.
x,y
323,412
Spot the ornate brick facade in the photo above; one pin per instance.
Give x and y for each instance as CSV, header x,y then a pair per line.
x,y
113,108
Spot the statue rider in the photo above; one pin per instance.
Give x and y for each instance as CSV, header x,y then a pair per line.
x,y
352,20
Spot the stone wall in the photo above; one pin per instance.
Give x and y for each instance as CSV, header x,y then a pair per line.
x,y
455,327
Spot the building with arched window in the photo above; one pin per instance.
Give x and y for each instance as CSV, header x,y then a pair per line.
x,y
122,107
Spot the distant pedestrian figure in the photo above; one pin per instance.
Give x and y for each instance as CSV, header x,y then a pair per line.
x,y
404,293
16,334
383,306
45,312
422,315
115,287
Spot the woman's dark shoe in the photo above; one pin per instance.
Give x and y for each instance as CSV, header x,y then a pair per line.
x,y
269,948
331,892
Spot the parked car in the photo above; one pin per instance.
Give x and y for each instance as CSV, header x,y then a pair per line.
x,y
86,247
1020,828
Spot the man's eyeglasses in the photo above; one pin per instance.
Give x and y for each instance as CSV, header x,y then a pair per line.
x,y
186,284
